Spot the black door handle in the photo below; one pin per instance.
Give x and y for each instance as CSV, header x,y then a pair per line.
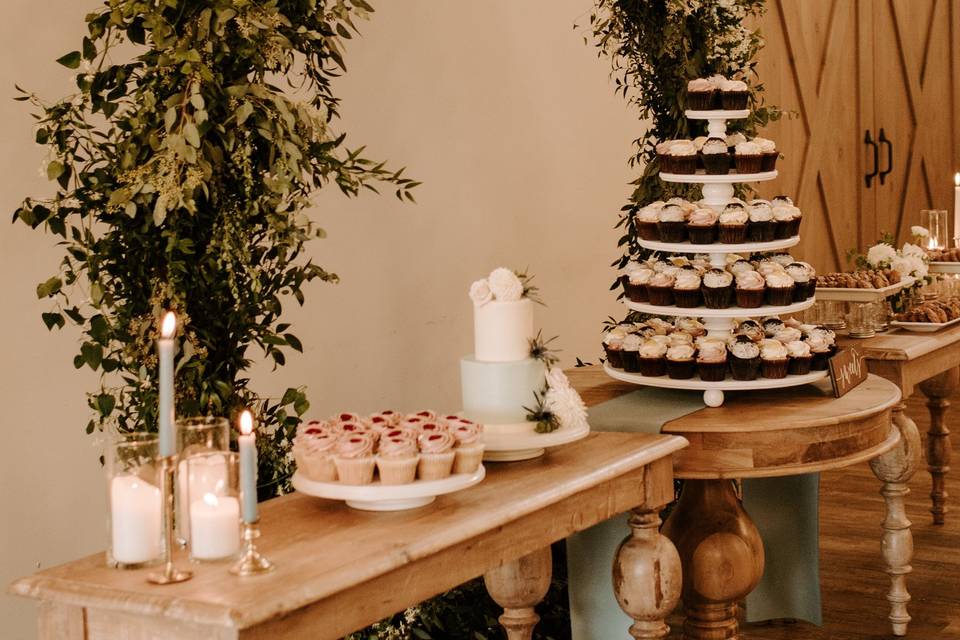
x,y
868,140
882,139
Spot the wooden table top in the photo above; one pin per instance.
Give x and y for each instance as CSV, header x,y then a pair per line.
x,y
903,345
322,548
771,432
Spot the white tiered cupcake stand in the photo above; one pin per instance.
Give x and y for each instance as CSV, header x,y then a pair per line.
x,y
717,193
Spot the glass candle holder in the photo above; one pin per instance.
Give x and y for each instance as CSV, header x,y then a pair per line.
x,y
213,499
135,504
936,221
198,436
833,313
861,320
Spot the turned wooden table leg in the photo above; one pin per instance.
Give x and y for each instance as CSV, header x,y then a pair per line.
x,y
938,389
647,576
722,556
895,469
518,586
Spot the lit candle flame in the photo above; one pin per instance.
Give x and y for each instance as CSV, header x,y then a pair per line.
x,y
246,422
169,325
210,499
956,178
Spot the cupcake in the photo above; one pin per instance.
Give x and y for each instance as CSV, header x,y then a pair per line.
x,y
659,326
637,281
401,432
631,353
314,428
782,259
686,288
702,226
663,155
660,289
733,140
691,326
678,338
647,219
652,358
715,157
468,450
734,95
786,335
680,362
773,359
433,426
354,458
801,358
672,224
761,227
700,93
801,281
768,149
346,417
747,157
683,157
314,456
698,142
782,200
779,289
717,289
436,455
744,358
712,360
788,219
740,266
771,326
820,348
613,346
766,267
750,290
733,224
397,460
812,282
751,329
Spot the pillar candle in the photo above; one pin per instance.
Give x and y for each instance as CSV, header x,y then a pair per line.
x,y
135,508
204,474
248,467
166,408
214,527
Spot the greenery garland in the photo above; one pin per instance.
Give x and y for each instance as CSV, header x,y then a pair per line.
x,y
183,175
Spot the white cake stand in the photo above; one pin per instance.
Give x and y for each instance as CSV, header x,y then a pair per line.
x,y
945,267
720,248
512,447
385,497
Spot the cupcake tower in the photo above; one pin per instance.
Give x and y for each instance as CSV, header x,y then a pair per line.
x,y
714,293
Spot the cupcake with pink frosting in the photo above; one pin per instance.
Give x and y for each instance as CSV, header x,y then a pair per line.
x,y
354,458
774,359
801,358
314,456
712,360
436,455
702,226
468,450
397,460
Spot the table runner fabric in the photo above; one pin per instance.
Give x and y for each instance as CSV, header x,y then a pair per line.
x,y
594,612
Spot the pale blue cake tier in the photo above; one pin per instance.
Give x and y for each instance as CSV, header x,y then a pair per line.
x,y
497,392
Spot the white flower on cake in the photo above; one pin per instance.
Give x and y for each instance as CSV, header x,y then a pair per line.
x,y
480,293
881,254
557,379
563,402
505,285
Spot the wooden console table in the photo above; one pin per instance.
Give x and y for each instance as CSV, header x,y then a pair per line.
x,y
339,569
762,434
930,362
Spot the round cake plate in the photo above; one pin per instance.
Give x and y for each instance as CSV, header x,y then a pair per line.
x,y
525,446
713,391
717,114
732,312
717,247
381,497
730,178
945,267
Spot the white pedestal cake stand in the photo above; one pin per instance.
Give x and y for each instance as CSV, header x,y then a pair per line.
x,y
512,447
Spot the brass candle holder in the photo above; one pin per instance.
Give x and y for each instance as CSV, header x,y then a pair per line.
x,y
170,574
251,562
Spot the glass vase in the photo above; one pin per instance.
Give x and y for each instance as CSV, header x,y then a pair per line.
x,y
197,436
213,499
135,505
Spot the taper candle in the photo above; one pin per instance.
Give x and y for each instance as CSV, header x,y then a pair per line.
x,y
248,467
166,410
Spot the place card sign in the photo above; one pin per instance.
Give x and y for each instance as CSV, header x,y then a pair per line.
x,y
847,370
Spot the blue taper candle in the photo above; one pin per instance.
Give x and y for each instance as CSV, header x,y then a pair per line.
x,y
248,467
165,414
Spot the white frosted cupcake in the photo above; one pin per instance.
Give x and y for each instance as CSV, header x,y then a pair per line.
x,y
436,455
354,458
397,460
468,450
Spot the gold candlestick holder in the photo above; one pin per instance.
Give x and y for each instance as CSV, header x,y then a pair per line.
x,y
170,574
251,562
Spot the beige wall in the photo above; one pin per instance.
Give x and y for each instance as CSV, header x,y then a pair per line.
x,y
502,111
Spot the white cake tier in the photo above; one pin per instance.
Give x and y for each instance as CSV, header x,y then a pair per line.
x,y
495,393
502,331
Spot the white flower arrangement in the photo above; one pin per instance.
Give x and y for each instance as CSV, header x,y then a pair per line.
x,y
880,255
559,406
480,293
503,285
919,232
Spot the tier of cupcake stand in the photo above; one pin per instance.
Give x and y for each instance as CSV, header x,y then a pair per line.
x,y
718,191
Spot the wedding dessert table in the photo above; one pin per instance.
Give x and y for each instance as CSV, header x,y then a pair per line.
x,y
340,569
769,433
930,362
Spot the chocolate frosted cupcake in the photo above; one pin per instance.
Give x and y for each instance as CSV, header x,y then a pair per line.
x,y
747,157
647,219
702,226
802,288
771,326
715,157
717,289
761,227
768,149
637,280
686,288
744,358
613,346
680,362
660,289
652,358
672,223
683,157
712,360
751,329
801,358
774,359
700,94
779,289
734,95
733,224
750,290
630,355
788,219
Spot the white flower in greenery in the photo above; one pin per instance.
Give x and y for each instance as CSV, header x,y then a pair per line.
x,y
565,404
505,285
881,254
902,265
913,250
919,232
480,293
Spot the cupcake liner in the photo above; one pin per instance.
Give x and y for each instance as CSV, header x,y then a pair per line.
x,y
672,231
716,163
614,357
800,366
700,234
648,231
467,458
744,368
652,367
666,163
355,470
660,296
774,368
687,298
733,233
780,296
784,230
684,164
681,369
761,231
318,467
799,291
769,161
734,100
712,371
435,466
717,297
750,298
811,289
795,226
397,470
821,361
747,164
636,292
631,361
700,100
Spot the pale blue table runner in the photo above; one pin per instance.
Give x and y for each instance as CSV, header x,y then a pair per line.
x,y
784,510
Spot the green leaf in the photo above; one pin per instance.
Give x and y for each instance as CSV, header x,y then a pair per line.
x,y
49,288
55,169
105,404
294,342
301,405
53,320
70,60
89,49
92,354
191,134
289,396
